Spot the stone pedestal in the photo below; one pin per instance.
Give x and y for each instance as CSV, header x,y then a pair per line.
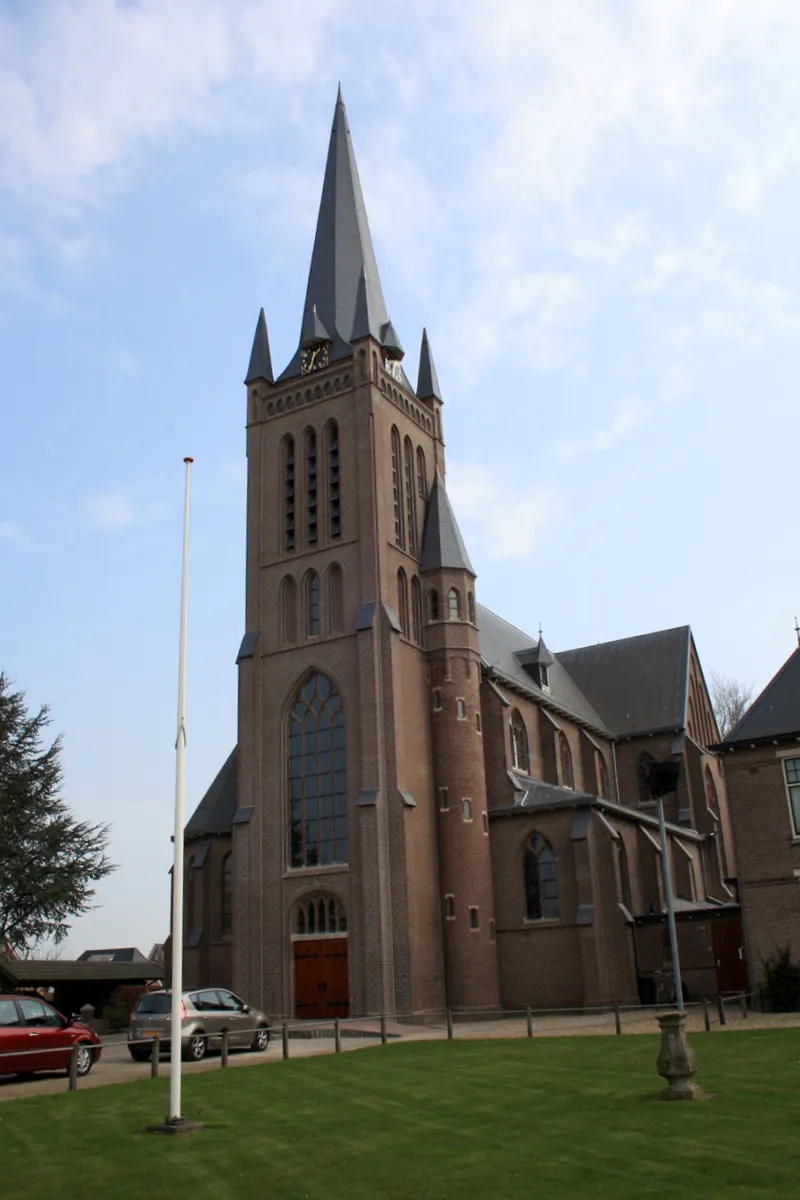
x,y
677,1061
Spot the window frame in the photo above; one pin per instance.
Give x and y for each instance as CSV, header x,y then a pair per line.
x,y
466,809
534,853
790,787
316,751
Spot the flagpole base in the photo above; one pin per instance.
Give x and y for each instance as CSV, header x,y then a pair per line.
x,y
176,1127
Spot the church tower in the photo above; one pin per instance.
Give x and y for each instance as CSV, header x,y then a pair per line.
x,y
338,908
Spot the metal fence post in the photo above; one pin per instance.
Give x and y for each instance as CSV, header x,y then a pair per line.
x,y
223,1054
743,1003
617,1019
449,1019
723,1020
155,1057
73,1067
285,1039
706,1016
529,1021
337,1036
383,1029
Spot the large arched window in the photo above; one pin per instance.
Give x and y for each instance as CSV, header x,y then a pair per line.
x,y
334,598
288,597
433,605
519,743
541,880
601,771
422,474
411,496
320,915
402,601
288,494
311,486
397,490
643,778
416,610
471,607
453,604
565,757
312,604
226,917
334,505
317,776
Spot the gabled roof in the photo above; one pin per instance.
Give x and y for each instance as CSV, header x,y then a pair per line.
x,y
500,646
442,543
343,259
637,684
215,812
776,712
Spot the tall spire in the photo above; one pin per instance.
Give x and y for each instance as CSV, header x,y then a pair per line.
x,y
428,380
260,359
344,293
442,543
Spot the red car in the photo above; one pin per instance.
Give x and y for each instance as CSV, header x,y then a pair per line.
x,y
34,1037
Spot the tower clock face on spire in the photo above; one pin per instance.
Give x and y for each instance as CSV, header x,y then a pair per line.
x,y
314,357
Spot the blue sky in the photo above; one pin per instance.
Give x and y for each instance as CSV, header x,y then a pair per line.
x,y
592,207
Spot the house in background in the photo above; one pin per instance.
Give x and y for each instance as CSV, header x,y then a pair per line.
x,y
762,768
123,954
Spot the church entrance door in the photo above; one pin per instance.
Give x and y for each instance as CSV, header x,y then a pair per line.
x,y
729,956
321,987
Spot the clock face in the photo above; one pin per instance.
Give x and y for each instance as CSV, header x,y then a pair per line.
x,y
314,358
392,365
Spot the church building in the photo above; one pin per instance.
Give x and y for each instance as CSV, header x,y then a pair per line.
x,y
427,807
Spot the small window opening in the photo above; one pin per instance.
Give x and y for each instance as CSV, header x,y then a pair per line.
x,y
443,803
461,711
450,907
467,808
474,917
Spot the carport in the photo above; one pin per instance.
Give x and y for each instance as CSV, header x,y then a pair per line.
x,y
76,984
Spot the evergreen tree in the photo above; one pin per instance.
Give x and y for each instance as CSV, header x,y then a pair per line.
x,y
48,860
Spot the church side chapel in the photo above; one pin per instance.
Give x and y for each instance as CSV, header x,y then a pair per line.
x,y
427,807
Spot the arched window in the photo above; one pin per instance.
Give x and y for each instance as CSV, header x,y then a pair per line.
x,y
433,605
323,914
402,601
288,600
422,474
643,778
519,743
471,607
712,798
288,493
226,921
411,496
416,610
334,507
453,605
624,876
334,598
565,756
602,775
397,490
312,604
317,776
541,880
311,486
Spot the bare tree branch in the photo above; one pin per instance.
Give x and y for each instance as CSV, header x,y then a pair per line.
x,y
730,699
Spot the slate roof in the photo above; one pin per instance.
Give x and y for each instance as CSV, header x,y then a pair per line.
x,y
215,812
499,644
637,684
260,365
427,380
343,259
442,543
776,712
120,954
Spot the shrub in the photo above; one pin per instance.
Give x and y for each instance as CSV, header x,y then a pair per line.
x,y
782,981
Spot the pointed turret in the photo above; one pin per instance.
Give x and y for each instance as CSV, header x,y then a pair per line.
x,y
260,359
428,380
344,293
391,342
442,543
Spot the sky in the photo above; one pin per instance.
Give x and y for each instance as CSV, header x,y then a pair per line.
x,y
592,207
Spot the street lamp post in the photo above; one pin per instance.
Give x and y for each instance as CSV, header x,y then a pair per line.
x,y
663,779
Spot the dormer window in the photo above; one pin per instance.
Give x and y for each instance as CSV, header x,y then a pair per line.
x,y
544,681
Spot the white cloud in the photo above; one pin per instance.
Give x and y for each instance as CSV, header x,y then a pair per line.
x,y
628,417
508,516
120,509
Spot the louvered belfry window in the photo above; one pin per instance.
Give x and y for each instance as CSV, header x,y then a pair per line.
x,y
397,490
288,494
334,513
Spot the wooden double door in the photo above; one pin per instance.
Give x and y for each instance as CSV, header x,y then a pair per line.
x,y
729,957
321,988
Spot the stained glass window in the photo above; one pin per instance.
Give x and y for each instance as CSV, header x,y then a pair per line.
x,y
317,777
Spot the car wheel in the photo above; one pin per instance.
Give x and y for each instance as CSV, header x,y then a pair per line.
x,y
195,1049
261,1039
140,1053
85,1059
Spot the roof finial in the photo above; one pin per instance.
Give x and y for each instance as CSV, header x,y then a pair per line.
x,y
540,631
797,630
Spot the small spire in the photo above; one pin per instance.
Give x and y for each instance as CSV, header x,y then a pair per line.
x,y
428,380
442,543
339,99
391,342
313,329
260,360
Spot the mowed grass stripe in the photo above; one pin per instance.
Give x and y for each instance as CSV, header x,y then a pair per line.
x,y
433,1121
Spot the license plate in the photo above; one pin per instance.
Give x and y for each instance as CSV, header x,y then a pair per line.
x,y
149,1033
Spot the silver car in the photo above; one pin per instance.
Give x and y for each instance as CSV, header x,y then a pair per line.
x,y
207,1014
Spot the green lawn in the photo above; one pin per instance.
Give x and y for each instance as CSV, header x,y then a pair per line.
x,y
495,1120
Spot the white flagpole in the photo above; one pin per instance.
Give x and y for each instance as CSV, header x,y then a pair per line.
x,y
177,866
